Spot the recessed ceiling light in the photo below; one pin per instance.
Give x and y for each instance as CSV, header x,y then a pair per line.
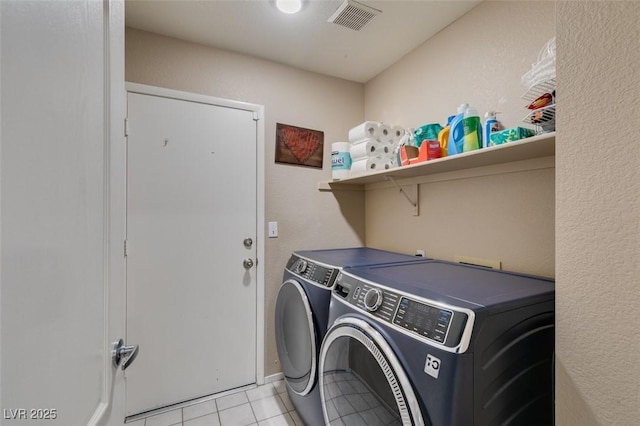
x,y
289,6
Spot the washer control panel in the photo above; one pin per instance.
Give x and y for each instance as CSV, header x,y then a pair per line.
x,y
412,314
311,271
423,319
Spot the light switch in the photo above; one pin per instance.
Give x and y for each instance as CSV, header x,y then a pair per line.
x,y
273,229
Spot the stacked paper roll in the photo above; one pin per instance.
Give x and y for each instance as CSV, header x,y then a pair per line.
x,y
397,132
365,165
365,148
366,130
373,147
386,135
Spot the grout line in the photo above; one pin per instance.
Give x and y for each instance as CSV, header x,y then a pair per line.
x,y
189,403
213,399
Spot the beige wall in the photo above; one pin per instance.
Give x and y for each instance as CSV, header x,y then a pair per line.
x,y
598,214
290,96
506,215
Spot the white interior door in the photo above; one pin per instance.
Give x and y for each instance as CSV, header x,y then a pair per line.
x,y
191,203
62,209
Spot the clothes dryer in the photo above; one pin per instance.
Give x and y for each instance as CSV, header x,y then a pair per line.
x,y
302,307
438,343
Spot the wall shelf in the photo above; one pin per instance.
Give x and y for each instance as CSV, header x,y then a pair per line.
x,y
543,145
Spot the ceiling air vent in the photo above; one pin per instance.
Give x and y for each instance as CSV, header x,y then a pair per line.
x,y
353,15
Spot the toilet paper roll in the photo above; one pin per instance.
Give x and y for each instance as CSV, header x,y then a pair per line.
x,y
368,129
365,165
340,160
385,134
397,132
385,153
365,148
386,165
386,149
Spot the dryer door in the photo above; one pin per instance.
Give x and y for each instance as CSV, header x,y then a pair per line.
x,y
362,381
296,337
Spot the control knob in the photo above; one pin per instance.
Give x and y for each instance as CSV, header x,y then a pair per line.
x,y
301,266
373,299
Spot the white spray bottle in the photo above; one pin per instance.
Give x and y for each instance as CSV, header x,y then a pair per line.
x,y
491,124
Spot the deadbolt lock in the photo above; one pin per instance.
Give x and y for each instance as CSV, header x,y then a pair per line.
x,y
248,242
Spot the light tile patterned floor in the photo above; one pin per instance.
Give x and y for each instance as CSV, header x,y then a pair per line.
x,y
266,405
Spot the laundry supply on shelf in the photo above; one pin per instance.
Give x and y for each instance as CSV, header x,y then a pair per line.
x,y
443,136
429,150
455,144
472,130
510,135
491,125
427,132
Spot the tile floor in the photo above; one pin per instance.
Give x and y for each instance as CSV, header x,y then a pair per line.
x,y
266,405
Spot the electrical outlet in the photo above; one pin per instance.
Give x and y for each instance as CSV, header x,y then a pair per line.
x,y
420,253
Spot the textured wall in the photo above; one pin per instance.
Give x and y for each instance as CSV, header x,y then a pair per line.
x,y
479,59
292,97
598,211
506,215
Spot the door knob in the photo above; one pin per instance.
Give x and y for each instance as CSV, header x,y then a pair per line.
x,y
248,242
120,352
247,263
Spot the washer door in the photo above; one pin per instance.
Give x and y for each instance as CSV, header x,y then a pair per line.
x,y
362,381
296,337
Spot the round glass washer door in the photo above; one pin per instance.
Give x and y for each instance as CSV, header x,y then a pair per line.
x,y
296,337
361,380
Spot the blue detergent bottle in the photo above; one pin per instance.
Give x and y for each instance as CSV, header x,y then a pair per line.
x,y
456,133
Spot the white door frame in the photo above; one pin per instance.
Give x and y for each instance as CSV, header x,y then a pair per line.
x,y
110,411
258,114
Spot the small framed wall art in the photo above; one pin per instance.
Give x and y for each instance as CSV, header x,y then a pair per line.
x,y
296,145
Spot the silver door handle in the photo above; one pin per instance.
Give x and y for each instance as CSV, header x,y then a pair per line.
x,y
120,352
248,242
247,263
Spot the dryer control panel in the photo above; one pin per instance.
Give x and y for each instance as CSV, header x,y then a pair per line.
x,y
427,319
314,272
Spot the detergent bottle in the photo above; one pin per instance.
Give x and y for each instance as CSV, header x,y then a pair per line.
x,y
455,144
472,130
443,137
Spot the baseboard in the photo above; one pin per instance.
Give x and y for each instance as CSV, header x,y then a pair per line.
x,y
274,378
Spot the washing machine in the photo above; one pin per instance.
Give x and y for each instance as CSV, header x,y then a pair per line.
x,y
301,312
438,343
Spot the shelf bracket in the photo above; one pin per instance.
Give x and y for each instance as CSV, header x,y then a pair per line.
x,y
414,187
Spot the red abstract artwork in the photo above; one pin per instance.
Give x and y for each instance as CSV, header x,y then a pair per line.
x,y
295,145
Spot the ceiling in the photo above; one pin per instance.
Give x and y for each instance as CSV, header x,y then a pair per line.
x,y
305,40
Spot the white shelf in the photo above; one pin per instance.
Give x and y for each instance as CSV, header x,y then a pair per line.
x,y
534,147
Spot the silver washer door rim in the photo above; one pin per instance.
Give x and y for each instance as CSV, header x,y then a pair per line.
x,y
312,335
397,379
